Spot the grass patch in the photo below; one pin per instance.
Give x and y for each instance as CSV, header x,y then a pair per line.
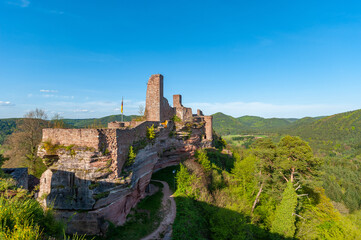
x,y
241,141
143,219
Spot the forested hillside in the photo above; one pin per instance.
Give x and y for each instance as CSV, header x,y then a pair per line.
x,y
226,125
338,132
336,140
7,126
101,122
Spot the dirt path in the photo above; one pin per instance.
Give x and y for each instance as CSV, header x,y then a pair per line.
x,y
164,231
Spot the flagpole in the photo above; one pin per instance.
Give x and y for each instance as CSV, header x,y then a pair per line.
x,y
122,111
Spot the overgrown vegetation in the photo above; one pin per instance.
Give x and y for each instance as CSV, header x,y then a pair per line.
x,y
143,219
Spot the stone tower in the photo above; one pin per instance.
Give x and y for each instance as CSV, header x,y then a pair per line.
x,y
156,106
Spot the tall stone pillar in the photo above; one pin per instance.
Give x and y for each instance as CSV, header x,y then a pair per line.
x,y
154,98
209,127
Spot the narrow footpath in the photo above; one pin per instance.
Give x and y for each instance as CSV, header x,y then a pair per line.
x,y
164,231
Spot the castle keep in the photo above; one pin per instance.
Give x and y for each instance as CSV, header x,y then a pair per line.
x,y
89,170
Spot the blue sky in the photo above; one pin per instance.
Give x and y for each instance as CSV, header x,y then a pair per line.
x,y
263,58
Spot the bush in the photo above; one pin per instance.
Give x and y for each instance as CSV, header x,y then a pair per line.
x,y
131,157
151,132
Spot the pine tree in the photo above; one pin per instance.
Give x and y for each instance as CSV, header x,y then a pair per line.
x,y
284,222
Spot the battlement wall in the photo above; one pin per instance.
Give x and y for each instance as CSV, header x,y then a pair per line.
x,y
184,113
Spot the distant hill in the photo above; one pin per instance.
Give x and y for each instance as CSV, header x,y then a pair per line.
x,y
225,124
340,131
83,123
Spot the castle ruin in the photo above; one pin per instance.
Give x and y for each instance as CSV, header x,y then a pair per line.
x,y
90,178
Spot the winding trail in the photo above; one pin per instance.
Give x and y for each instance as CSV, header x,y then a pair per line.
x,y
164,231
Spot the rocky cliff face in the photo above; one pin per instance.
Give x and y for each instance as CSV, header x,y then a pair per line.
x,y
86,185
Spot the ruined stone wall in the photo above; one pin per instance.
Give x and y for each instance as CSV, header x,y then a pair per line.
x,y
177,100
185,114
167,112
209,127
115,141
79,137
125,138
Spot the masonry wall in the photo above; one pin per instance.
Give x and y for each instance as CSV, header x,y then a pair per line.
x,y
177,100
79,137
185,114
125,138
116,141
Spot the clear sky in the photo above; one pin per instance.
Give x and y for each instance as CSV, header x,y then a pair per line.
x,y
264,58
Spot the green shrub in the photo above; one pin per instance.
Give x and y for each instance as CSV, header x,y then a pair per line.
x,y
131,157
151,132
175,118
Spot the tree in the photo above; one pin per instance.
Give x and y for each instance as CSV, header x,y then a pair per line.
x,y
284,222
57,121
265,150
295,157
24,141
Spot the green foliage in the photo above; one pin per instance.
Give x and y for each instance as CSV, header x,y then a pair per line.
x,y
294,156
101,195
202,158
226,125
131,157
94,185
7,127
22,217
151,132
143,219
168,175
190,222
221,160
2,160
175,118
101,122
244,172
219,142
185,180
284,222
